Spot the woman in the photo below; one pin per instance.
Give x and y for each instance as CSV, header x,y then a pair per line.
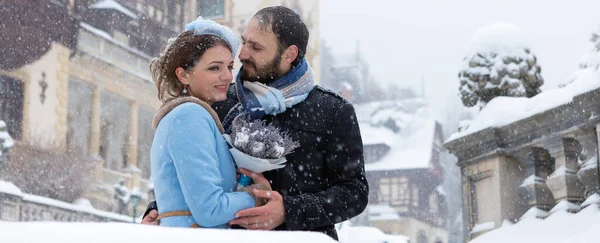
x,y
192,170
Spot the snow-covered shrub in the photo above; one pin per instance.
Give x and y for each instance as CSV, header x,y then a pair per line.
x,y
499,62
592,59
60,175
6,142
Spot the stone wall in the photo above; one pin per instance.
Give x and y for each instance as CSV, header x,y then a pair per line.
x,y
18,206
530,164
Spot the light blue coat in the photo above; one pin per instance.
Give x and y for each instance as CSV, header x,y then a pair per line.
x,y
193,170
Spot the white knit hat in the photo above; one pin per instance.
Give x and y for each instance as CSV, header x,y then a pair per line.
x,y
202,26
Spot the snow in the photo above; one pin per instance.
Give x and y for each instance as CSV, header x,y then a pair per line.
x,y
565,206
112,4
483,227
8,141
74,207
593,199
440,190
534,213
591,163
500,37
57,232
364,234
502,111
80,205
411,149
382,212
108,37
405,126
498,57
83,203
347,86
372,135
559,227
592,59
562,171
10,188
532,179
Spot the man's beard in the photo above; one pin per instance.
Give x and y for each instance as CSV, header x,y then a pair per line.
x,y
265,74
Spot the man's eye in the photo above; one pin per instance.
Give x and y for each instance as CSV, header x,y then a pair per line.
x,y
255,47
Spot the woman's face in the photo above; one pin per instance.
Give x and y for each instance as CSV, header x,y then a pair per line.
x,y
210,78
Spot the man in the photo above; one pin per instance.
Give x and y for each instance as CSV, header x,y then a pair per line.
x,y
323,182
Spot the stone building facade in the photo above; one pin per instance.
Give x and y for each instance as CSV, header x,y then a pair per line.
x,y
530,165
80,80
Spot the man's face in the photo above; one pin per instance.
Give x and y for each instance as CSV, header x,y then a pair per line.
x,y
261,54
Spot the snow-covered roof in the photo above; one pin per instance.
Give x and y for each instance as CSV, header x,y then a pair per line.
x,y
502,111
59,232
411,147
112,4
379,212
10,188
559,227
108,37
376,135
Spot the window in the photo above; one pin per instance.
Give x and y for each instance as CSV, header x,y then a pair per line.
x,y
415,197
151,11
11,104
211,8
394,191
159,15
384,190
114,130
433,203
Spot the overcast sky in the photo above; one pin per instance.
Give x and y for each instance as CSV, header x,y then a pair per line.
x,y
405,40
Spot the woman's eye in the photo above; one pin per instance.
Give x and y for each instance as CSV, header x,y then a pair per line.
x,y
230,68
214,69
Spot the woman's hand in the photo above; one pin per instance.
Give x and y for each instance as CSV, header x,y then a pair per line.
x,y
258,178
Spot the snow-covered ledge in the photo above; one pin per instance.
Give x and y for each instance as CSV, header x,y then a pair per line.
x,y
60,232
510,140
18,206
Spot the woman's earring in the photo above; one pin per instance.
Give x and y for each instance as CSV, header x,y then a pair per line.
x,y
185,89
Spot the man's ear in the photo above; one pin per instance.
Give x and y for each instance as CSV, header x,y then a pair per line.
x,y
182,75
290,54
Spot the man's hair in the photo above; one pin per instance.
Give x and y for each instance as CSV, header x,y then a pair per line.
x,y
287,26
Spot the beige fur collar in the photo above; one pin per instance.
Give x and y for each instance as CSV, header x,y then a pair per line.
x,y
170,104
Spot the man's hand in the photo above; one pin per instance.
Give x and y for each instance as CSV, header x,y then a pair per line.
x,y
150,219
266,217
258,201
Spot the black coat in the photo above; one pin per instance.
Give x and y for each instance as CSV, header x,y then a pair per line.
x,y
323,182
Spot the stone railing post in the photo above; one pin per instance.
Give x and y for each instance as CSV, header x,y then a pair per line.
x,y
533,191
588,174
563,182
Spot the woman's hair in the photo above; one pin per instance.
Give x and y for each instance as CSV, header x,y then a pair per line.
x,y
183,51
